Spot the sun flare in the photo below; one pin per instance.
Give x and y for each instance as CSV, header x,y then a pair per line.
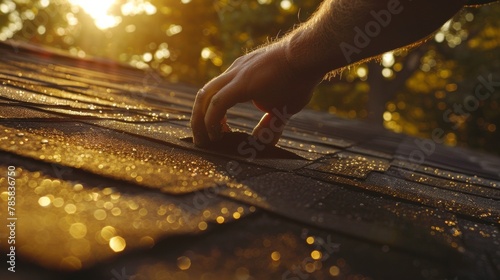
x,y
99,11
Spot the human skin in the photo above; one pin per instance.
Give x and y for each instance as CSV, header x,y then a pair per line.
x,y
280,77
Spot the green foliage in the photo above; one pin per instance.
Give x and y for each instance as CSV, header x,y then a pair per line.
x,y
194,41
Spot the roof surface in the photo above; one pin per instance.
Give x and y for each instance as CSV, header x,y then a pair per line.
x,y
108,185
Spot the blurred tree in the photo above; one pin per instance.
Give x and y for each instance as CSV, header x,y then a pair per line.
x,y
412,91
194,40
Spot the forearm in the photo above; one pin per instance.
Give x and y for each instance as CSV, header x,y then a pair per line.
x,y
343,32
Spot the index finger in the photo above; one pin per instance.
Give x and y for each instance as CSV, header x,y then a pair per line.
x,y
200,135
203,97
216,110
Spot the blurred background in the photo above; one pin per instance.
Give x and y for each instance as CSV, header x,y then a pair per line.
x,y
192,41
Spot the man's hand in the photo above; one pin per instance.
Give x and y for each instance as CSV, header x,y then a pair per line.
x,y
264,76
279,78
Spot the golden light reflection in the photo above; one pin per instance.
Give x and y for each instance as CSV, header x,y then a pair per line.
x,y
286,4
275,256
220,220
316,255
202,225
99,11
108,232
78,230
310,267
4,196
184,263
44,201
78,224
58,202
70,208
71,263
100,214
117,244
310,240
334,271
147,241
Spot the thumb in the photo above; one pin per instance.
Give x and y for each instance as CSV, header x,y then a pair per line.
x,y
270,128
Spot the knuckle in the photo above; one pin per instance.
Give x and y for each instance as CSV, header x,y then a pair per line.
x,y
239,60
215,101
201,93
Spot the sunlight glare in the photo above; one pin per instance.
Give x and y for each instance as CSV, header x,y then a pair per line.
x,y
388,59
98,10
286,4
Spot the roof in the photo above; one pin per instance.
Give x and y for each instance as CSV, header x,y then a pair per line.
x,y
108,185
